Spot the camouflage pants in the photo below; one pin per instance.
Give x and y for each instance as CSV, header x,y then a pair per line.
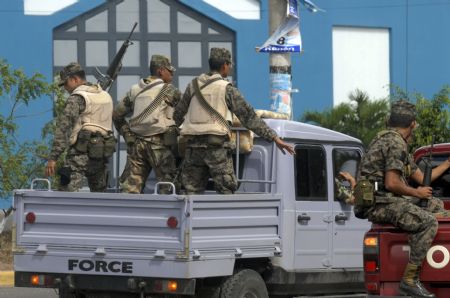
x,y
82,166
419,223
144,157
201,163
126,171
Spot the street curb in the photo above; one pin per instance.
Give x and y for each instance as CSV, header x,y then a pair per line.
x,y
6,278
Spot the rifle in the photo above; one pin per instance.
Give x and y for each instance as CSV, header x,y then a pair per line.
x,y
427,173
106,80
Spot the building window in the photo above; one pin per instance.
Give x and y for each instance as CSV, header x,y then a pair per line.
x,y
360,61
310,173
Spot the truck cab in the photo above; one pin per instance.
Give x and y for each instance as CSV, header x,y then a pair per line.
x,y
386,250
284,233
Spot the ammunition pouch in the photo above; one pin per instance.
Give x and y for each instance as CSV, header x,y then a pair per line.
x,y
83,141
170,137
216,140
110,145
96,147
360,212
364,197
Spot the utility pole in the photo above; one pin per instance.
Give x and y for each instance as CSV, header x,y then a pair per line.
x,y
280,63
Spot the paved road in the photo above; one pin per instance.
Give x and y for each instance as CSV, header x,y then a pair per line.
x,y
27,293
51,293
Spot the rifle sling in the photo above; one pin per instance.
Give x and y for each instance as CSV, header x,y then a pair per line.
x,y
153,105
214,114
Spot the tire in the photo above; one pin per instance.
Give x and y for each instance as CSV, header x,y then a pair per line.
x,y
244,284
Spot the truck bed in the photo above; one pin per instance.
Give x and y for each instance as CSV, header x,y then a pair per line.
x,y
108,233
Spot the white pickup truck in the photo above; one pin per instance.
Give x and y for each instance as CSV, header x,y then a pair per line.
x,y
283,234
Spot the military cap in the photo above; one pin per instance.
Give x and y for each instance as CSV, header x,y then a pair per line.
x,y
403,108
71,69
220,54
158,61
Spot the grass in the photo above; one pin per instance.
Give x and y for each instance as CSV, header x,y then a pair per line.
x,y
6,258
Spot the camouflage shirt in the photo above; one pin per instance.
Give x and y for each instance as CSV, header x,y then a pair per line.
x,y
75,105
125,107
343,191
387,151
237,104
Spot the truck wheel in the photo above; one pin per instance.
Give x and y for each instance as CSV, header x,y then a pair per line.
x,y
244,284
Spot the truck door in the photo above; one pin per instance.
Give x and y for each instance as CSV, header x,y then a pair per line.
x,y
312,235
347,230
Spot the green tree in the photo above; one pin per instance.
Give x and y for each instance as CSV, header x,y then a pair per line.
x,y
20,161
361,118
433,117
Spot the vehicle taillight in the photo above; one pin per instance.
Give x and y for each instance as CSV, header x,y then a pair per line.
x,y
41,280
371,263
371,241
36,280
371,259
172,286
372,287
172,222
370,266
30,217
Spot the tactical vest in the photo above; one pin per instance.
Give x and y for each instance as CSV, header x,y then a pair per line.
x,y
198,120
160,119
97,115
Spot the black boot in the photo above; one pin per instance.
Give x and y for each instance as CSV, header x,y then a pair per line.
x,y
410,284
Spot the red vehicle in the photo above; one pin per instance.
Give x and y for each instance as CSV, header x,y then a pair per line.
x,y
386,249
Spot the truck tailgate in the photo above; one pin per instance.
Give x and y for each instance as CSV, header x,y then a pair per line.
x,y
143,235
395,251
97,220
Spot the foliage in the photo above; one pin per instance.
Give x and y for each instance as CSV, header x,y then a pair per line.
x,y
433,117
361,118
20,161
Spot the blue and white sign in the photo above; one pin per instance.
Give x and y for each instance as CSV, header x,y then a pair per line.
x,y
287,38
292,8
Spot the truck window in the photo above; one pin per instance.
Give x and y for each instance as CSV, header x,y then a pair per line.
x,y
344,160
310,173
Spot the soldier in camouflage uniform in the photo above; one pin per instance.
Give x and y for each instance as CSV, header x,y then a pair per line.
x,y
388,165
150,104
343,192
86,119
208,149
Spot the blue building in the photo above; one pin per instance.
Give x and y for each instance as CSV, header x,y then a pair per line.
x,y
400,42
365,44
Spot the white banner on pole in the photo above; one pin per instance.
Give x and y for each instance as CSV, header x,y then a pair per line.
x,y
287,38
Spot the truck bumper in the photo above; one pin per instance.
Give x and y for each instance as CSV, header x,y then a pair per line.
x,y
124,284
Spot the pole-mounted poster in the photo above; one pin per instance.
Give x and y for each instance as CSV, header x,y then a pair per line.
x,y
286,38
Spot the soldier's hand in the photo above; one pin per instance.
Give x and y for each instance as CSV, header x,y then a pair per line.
x,y
51,168
424,192
284,146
